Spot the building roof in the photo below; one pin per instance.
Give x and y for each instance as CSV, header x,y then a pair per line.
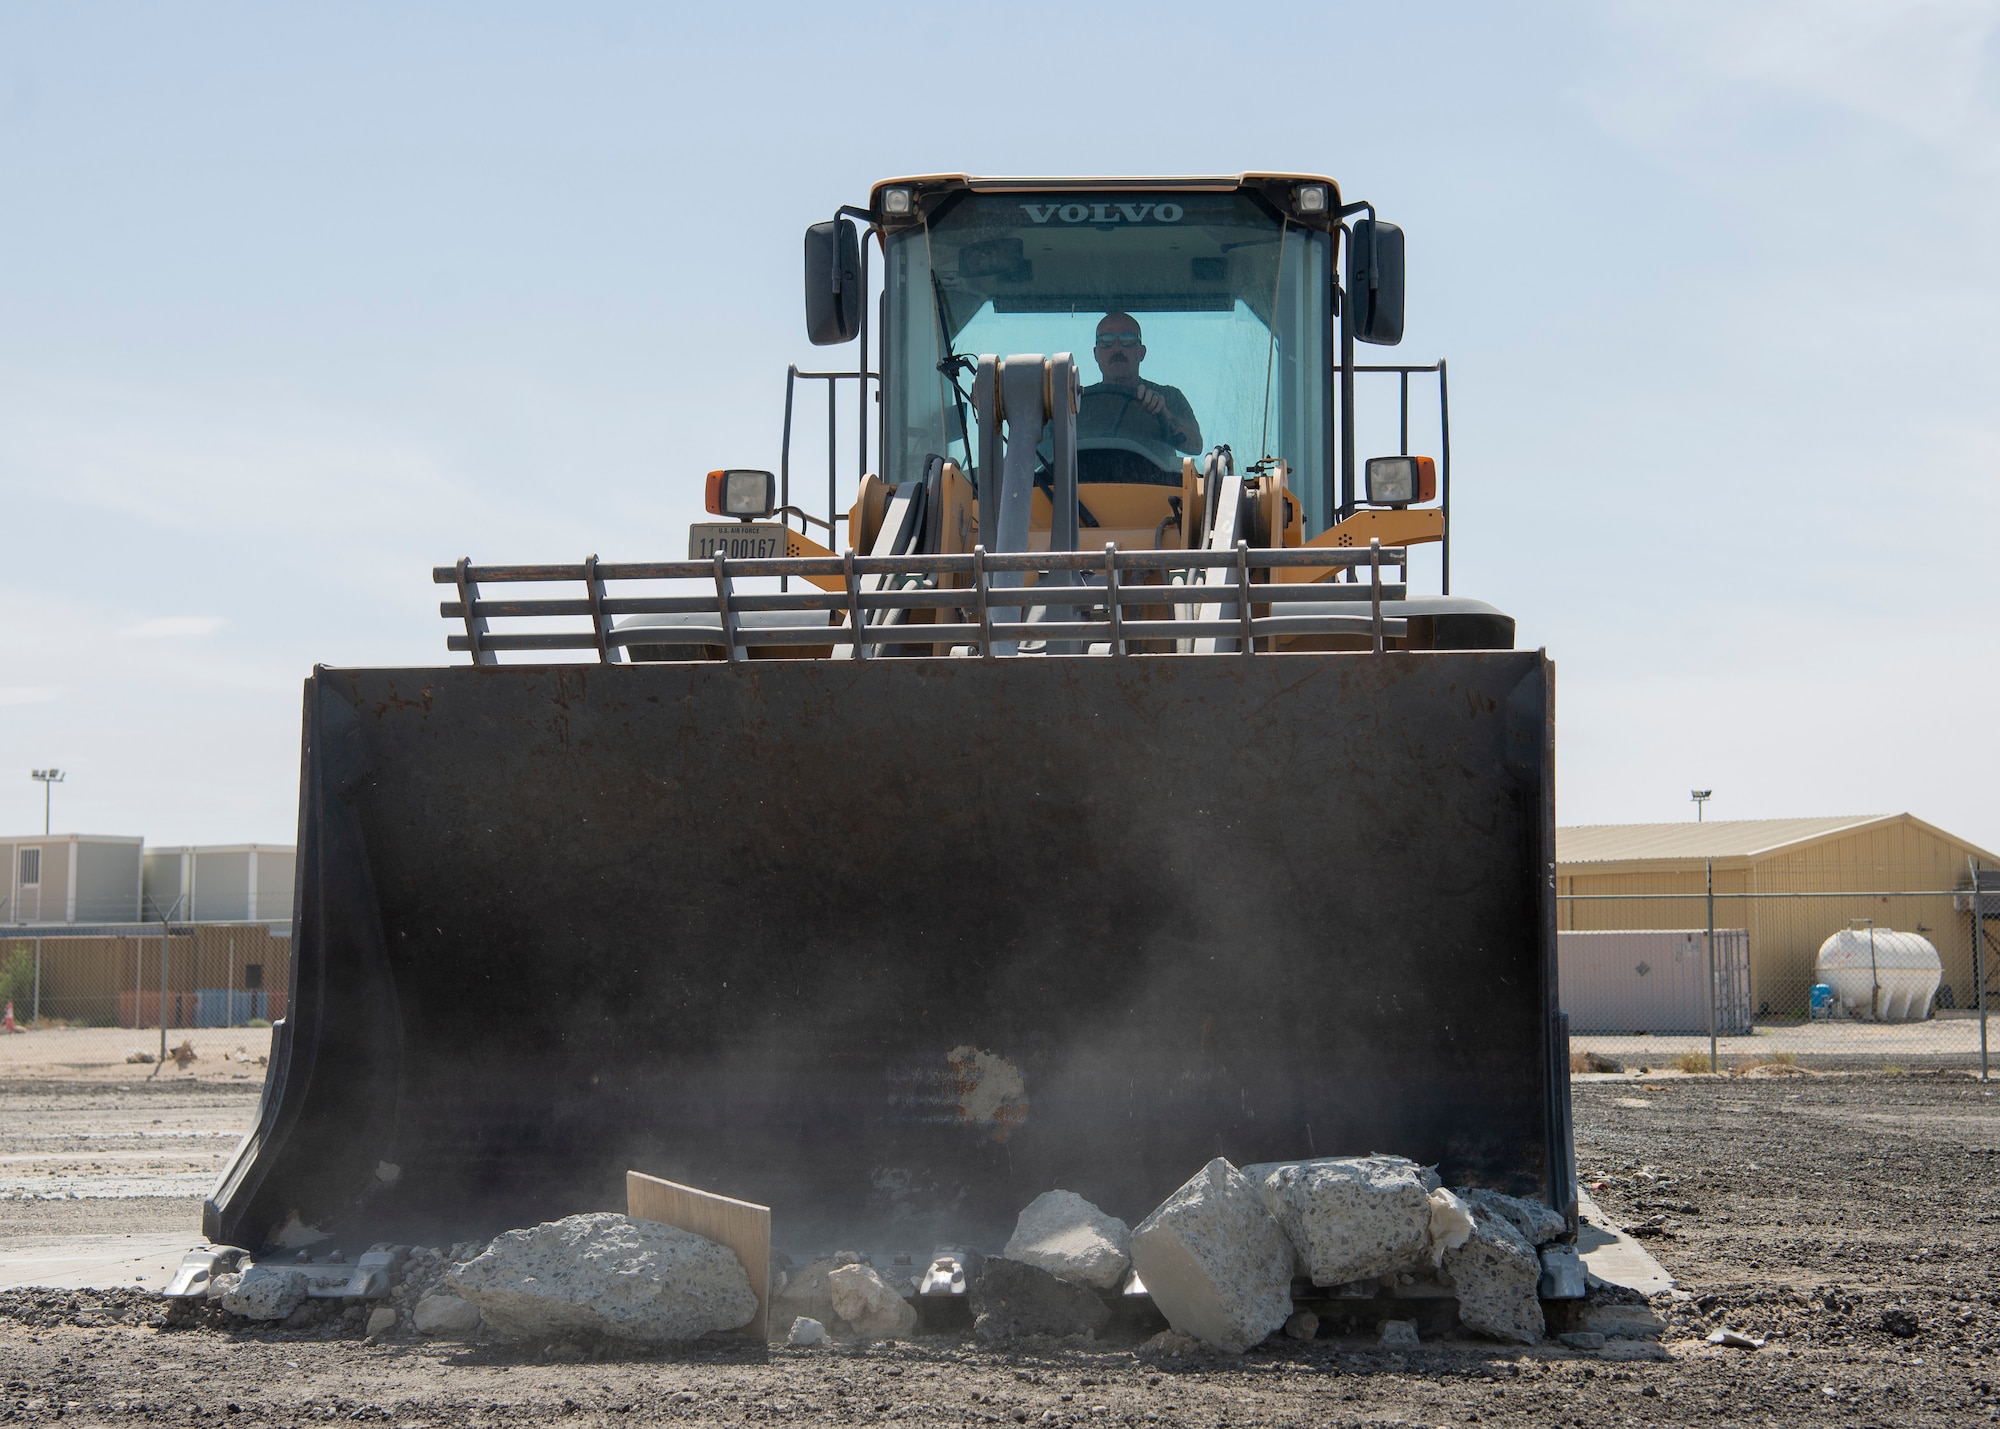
x,y
1725,838
1734,840
71,838
178,849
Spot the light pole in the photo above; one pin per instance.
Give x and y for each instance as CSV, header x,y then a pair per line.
x,y
1700,797
46,778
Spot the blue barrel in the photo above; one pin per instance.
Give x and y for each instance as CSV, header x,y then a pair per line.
x,y
1822,1000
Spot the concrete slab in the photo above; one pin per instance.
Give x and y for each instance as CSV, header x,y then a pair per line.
x,y
1611,1255
92,1262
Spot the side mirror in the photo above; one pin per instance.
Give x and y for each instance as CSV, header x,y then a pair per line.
x,y
1375,282
833,283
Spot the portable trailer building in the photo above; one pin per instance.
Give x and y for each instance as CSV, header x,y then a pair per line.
x,y
70,878
221,883
1788,882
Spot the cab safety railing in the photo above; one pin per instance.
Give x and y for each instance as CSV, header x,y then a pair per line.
x,y
1080,600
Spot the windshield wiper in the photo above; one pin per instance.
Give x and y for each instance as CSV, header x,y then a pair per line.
x,y
954,363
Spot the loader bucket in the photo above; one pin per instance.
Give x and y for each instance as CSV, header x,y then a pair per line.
x,y
892,946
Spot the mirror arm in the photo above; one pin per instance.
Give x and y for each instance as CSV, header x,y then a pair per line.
x,y
1348,210
1345,505
848,210
1346,508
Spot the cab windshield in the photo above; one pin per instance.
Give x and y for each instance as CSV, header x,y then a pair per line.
x,y
1214,310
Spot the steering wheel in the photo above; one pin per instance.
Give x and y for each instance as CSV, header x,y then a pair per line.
x,y
1128,395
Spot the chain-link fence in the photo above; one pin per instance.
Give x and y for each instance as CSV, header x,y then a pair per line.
x,y
1757,966
1652,971
199,975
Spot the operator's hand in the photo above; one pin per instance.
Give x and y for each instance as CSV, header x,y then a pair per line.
x,y
1150,400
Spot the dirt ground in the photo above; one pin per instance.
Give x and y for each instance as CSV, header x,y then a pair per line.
x,y
105,1056
1851,1222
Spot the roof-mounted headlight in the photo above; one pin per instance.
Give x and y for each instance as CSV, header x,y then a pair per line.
x,y
1310,198
1401,480
746,495
898,203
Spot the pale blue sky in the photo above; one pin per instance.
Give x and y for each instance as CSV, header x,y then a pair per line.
x,y
297,302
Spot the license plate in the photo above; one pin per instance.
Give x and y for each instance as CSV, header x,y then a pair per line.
x,y
736,540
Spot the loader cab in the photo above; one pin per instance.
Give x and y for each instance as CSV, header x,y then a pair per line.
x,y
1232,281
1243,299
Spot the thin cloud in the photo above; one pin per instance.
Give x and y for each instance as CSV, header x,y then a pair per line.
x,y
26,694
174,627
1918,67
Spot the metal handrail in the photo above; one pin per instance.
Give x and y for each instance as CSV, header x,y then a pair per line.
x,y
909,598
744,566
1102,613
1402,372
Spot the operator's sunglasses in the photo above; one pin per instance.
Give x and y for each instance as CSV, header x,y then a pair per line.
x,y
1118,339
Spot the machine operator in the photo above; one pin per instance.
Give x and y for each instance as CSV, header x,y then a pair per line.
x,y
1122,405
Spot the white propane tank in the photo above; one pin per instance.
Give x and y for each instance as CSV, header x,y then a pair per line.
x,y
1900,977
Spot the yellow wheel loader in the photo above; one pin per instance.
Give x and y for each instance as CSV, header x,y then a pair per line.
x,y
1080,795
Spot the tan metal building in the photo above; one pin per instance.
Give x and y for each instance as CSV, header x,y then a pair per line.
x,y
1790,882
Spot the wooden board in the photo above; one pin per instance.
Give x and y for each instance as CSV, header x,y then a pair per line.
x,y
741,1225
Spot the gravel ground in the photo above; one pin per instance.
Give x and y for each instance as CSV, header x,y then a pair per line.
x,y
1852,1223
116,1145
101,1183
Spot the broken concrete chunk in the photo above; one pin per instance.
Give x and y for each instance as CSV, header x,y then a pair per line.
x,y
806,1331
805,1293
1735,1340
1303,1325
1400,1335
1350,1217
1537,1224
442,1313
1216,1263
381,1320
1583,1340
1067,1236
1012,1299
610,1275
263,1292
871,1308
1496,1274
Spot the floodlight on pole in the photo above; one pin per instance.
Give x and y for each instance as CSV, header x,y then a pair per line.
x,y
1700,797
46,778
